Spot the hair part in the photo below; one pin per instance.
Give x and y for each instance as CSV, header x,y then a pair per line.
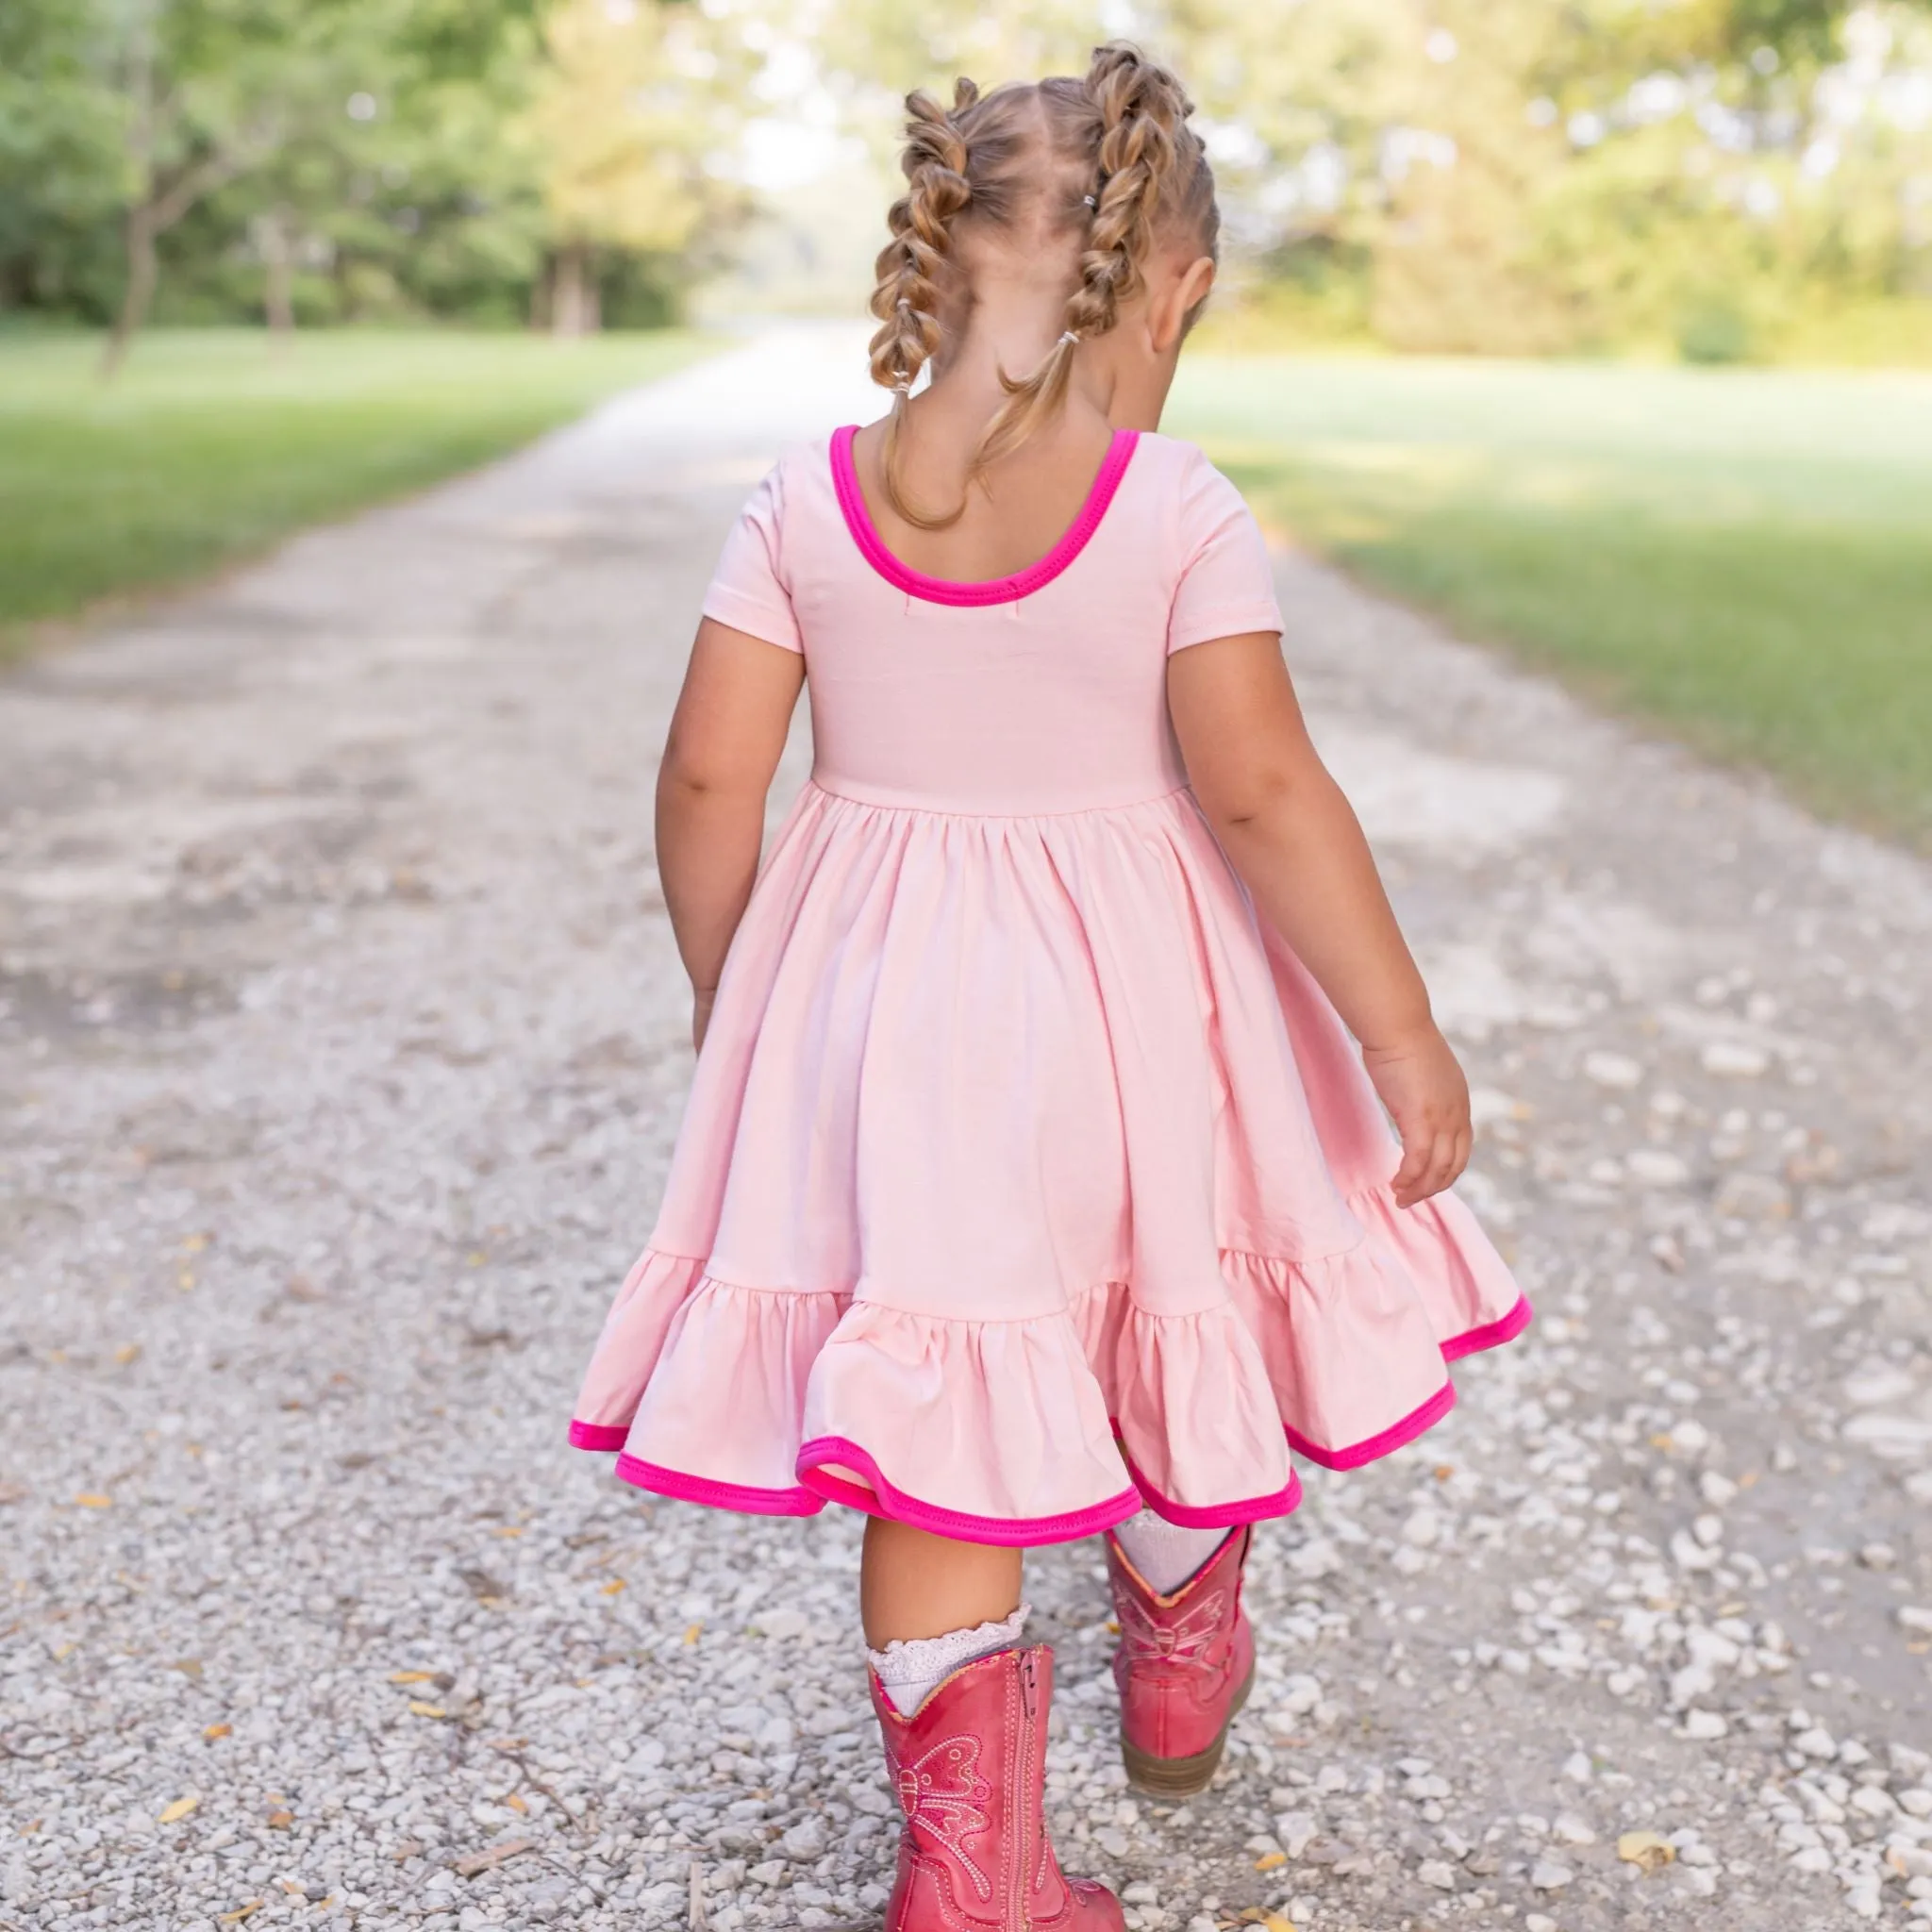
x,y
1118,164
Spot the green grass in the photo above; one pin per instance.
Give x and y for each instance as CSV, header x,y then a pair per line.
x,y
1741,556
215,443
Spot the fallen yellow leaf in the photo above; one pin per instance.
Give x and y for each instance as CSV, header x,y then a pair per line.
x,y
93,1499
185,1279
516,1802
1268,1860
172,1814
411,1677
193,1243
215,1731
616,1583
691,1634
240,1912
1649,1851
280,1820
508,1529
130,1353
418,1708
1276,1922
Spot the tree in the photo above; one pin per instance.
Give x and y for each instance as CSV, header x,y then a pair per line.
x,y
59,149
213,90
633,97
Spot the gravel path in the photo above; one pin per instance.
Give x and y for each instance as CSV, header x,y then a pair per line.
x,y
340,1049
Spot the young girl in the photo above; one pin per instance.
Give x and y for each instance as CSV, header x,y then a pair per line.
x,y
1034,1183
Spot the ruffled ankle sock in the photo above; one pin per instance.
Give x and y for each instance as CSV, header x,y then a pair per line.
x,y
1164,1552
910,1671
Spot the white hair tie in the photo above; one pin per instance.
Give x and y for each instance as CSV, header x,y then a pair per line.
x,y
1068,336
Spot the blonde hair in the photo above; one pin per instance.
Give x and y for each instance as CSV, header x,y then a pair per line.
x,y
1120,161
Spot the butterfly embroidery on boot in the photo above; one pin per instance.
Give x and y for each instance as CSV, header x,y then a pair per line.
x,y
1181,1642
943,1795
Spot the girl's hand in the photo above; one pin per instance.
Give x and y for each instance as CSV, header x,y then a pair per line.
x,y
701,998
1423,1087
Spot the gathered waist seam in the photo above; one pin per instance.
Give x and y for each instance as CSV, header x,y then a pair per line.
x,y
940,811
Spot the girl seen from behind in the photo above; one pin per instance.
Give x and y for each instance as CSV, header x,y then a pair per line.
x,y
1036,1181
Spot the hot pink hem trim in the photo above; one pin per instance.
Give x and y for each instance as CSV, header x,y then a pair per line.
x,y
1471,1341
1283,1502
714,1495
1113,466
1491,1335
886,1499
597,1435
1385,1442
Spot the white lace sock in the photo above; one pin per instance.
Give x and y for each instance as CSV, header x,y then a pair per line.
x,y
911,1671
1164,1552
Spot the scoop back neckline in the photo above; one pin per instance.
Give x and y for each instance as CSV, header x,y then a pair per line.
x,y
1005,590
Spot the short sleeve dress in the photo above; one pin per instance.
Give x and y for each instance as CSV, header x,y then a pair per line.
x,y
1025,1174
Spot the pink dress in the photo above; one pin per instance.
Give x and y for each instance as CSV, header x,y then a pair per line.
x,y
1025,1174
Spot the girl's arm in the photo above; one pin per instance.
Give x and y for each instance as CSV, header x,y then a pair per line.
x,y
728,735
1297,846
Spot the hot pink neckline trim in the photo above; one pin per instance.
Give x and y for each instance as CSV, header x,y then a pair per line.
x,y
1113,466
884,1498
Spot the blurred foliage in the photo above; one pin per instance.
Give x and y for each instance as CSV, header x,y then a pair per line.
x,y
1714,177
1525,176
362,159
1717,179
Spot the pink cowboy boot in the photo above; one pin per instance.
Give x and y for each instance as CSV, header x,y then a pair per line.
x,y
970,1766
1184,1667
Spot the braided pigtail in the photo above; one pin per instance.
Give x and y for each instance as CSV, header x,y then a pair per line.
x,y
1148,162
906,300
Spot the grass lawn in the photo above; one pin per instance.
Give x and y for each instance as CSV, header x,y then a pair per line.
x,y
214,443
1741,556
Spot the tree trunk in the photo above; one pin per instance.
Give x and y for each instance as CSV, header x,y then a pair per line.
x,y
573,291
278,275
144,270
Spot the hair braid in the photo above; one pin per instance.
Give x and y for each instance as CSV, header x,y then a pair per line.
x,y
907,299
1142,111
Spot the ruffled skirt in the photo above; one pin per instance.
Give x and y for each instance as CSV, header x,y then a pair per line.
x,y
1027,1177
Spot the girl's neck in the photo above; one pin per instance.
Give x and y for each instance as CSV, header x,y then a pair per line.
x,y
1011,329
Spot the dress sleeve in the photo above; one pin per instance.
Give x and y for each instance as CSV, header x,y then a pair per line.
x,y
1227,585
750,589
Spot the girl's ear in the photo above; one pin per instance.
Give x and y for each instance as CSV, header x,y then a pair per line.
x,y
1184,294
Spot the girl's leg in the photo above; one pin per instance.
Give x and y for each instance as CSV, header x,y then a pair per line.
x,y
931,1605
913,1584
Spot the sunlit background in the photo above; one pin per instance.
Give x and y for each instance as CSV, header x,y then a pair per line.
x,y
1605,328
